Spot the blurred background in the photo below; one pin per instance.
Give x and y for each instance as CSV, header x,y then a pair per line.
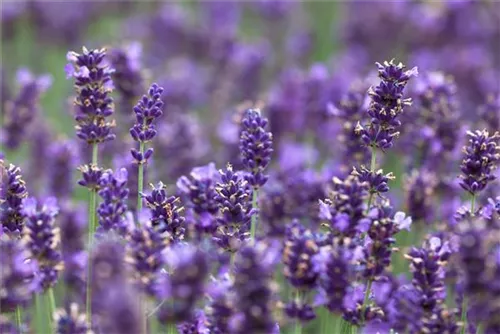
x,y
296,60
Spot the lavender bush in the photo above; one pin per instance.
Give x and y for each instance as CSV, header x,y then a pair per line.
x,y
301,181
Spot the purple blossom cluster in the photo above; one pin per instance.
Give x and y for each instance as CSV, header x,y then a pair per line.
x,y
279,199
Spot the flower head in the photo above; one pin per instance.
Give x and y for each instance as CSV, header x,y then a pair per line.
x,y
93,84
71,321
114,194
12,193
255,146
481,157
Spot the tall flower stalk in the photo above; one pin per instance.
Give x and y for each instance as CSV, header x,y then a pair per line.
x,y
147,110
387,103
94,105
255,149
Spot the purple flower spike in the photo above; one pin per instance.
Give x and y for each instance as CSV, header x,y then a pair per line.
x,y
20,112
91,176
63,161
165,212
255,146
481,157
145,252
93,85
147,110
377,181
387,103
12,192
71,320
236,210
42,238
252,287
17,283
184,287
112,209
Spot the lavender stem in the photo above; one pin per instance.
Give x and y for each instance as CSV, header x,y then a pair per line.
x,y
255,206
373,165
92,223
140,178
366,299
464,301
19,318
51,303
298,323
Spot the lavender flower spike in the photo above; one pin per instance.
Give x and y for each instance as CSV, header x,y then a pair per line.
x,y
255,146
480,159
12,192
147,110
42,238
93,84
114,194
71,321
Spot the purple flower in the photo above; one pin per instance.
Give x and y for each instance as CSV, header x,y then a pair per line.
x,y
73,227
145,253
184,286
377,181
481,156
91,176
345,209
63,161
299,249
196,326
147,111
93,84
253,293
235,208
420,186
71,320
387,103
114,194
12,192
20,112
42,239
165,212
490,111
17,271
220,308
255,146
199,191
119,312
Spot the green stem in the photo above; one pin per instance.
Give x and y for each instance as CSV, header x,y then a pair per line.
x,y
464,301
366,299
255,205
298,323
140,178
19,318
92,225
51,303
373,165
171,329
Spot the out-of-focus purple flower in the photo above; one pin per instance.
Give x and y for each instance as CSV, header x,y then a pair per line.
x,y
184,286
42,239
221,305
490,111
93,103
387,103
333,263
127,76
481,157
71,320
299,249
22,110
252,278
255,146
199,191
273,9
17,274
73,226
420,186
354,311
145,253
344,210
63,161
165,212
147,111
196,326
119,312
7,326
12,192
112,209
